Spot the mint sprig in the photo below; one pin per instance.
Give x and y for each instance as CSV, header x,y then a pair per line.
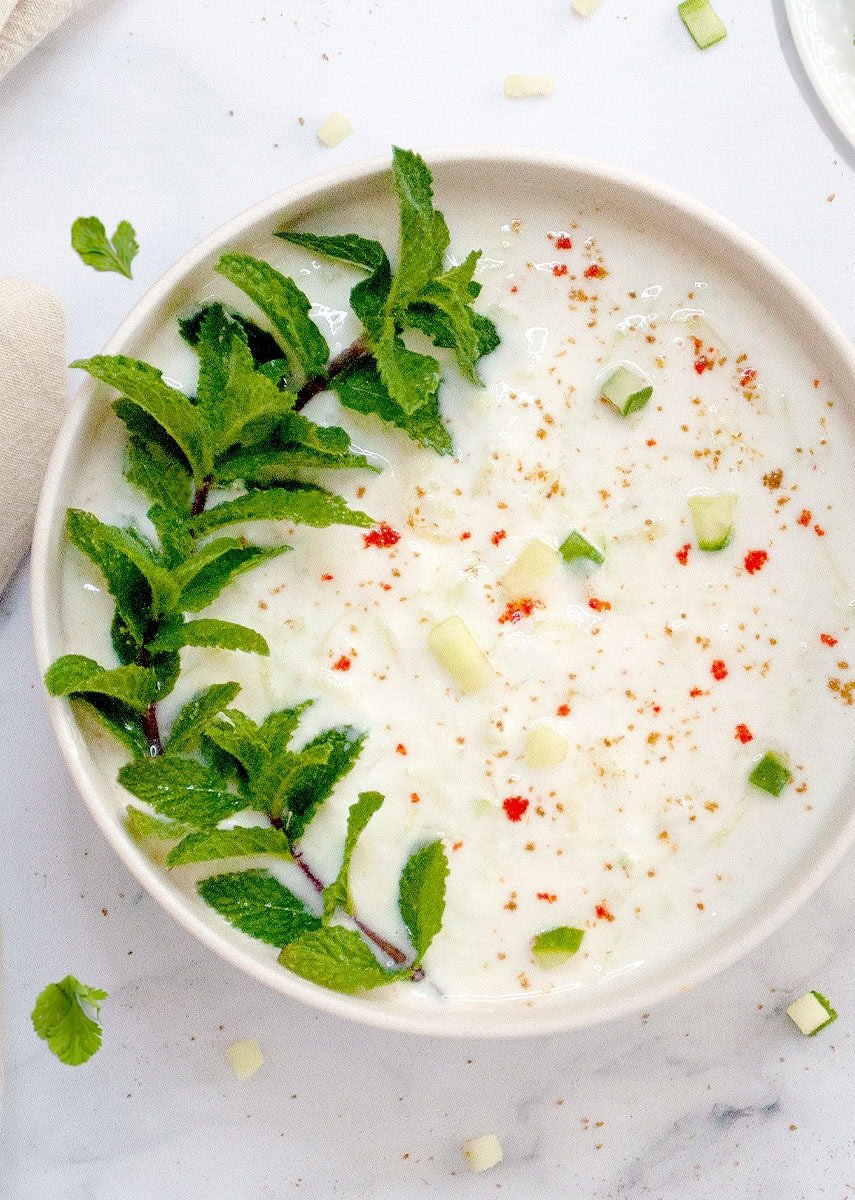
x,y
89,239
62,1017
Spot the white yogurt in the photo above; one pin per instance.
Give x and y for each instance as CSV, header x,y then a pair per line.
x,y
647,836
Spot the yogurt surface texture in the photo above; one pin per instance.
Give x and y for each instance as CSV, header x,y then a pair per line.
x,y
667,671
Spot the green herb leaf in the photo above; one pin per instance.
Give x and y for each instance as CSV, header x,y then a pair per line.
x,y
302,504
106,545
450,297
314,783
258,904
362,390
241,739
346,247
119,719
411,379
142,825
61,1019
264,347
203,577
169,408
286,307
206,631
74,674
424,234
337,958
434,324
279,727
337,895
229,843
421,897
181,789
89,239
198,713
161,476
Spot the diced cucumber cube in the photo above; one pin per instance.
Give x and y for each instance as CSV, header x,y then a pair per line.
x,y
575,545
702,22
545,747
535,564
553,947
482,1153
811,1013
627,390
770,774
712,517
456,650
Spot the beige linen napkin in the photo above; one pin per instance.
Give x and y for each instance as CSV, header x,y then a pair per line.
x,y
33,388
23,24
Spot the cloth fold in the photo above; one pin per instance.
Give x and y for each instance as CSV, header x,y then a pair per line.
x,y
23,24
33,390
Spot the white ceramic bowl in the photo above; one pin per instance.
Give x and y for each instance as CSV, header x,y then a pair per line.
x,y
647,206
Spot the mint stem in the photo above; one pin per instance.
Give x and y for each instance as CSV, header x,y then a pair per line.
x,y
355,353
200,497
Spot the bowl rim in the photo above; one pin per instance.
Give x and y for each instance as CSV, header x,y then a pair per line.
x,y
551,1017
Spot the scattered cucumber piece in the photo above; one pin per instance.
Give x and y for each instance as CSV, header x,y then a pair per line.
x,y
456,650
545,747
811,1013
535,564
553,947
702,22
575,545
712,517
770,774
482,1153
627,390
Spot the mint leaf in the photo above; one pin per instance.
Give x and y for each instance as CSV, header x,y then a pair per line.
x,y
301,504
181,789
198,713
360,388
75,674
285,306
206,631
161,476
449,296
345,247
411,379
315,783
277,728
263,345
202,577
424,234
89,239
241,739
169,408
337,958
229,843
118,718
142,825
125,582
337,895
258,904
421,897
61,1019
269,466
104,544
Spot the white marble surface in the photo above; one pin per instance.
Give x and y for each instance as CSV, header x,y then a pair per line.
x,y
176,116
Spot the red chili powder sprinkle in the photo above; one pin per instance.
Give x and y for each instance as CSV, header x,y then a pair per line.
x,y
457,846
563,242
828,639
498,536
696,691
515,610
657,708
465,536
343,664
595,271
702,363
804,517
514,807
382,536
549,897
400,748
514,290
559,269
387,587
755,560
327,578
563,710
743,734
719,670
599,605
651,441
816,383
819,531
603,913
682,555
415,798
747,377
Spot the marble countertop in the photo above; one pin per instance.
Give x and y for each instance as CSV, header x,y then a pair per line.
x,y
177,116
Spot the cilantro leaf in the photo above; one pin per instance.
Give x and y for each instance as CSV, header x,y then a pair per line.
x,y
181,789
313,784
195,716
346,247
421,897
169,408
258,904
301,504
207,631
61,1019
142,825
202,577
360,388
286,307
229,843
337,894
89,239
263,345
337,958
75,674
